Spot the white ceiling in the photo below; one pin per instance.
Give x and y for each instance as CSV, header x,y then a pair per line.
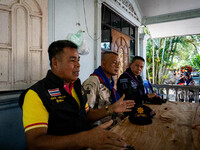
x,y
165,18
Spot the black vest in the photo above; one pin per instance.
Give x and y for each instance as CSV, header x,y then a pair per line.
x,y
133,91
65,116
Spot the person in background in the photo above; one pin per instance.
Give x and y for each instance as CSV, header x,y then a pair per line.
x,y
190,82
181,80
181,92
130,82
187,81
55,109
100,87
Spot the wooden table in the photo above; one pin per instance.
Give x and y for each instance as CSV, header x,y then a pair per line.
x,y
176,126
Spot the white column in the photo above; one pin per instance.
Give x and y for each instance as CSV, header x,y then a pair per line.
x,y
153,61
97,33
137,50
143,43
51,21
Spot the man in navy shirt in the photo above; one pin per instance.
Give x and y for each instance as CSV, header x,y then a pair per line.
x,y
130,82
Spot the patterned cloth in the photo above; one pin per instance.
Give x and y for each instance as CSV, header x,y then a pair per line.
x,y
106,81
100,93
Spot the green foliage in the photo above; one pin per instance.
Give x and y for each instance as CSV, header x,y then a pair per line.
x,y
145,30
171,53
165,76
195,61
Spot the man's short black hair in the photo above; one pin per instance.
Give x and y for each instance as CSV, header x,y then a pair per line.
x,y
57,47
138,58
107,52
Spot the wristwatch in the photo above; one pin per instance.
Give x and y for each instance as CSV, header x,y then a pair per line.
x,y
107,110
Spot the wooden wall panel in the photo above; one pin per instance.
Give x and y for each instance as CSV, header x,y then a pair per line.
x,y
8,2
35,65
36,32
21,49
121,44
23,43
33,5
5,42
4,27
4,65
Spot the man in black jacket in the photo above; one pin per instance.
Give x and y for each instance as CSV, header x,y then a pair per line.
x,y
55,110
130,82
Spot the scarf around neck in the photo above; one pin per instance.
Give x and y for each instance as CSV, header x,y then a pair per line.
x,y
106,81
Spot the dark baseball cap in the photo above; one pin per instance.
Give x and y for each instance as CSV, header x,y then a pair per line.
x,y
141,115
156,100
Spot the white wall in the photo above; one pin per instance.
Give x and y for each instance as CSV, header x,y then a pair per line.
x,y
67,16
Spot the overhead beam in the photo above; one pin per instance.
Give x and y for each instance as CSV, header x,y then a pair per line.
x,y
183,15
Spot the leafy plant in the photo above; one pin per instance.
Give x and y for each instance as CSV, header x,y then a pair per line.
x,y
169,54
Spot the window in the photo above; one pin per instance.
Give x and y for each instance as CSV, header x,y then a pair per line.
x,y
132,32
115,21
106,15
112,20
106,38
125,27
132,49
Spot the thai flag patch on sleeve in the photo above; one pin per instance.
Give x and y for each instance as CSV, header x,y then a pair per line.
x,y
54,92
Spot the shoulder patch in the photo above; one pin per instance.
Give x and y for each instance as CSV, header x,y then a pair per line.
x,y
133,84
123,80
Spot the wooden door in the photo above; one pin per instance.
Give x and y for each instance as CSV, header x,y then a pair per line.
x,y
23,43
121,44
